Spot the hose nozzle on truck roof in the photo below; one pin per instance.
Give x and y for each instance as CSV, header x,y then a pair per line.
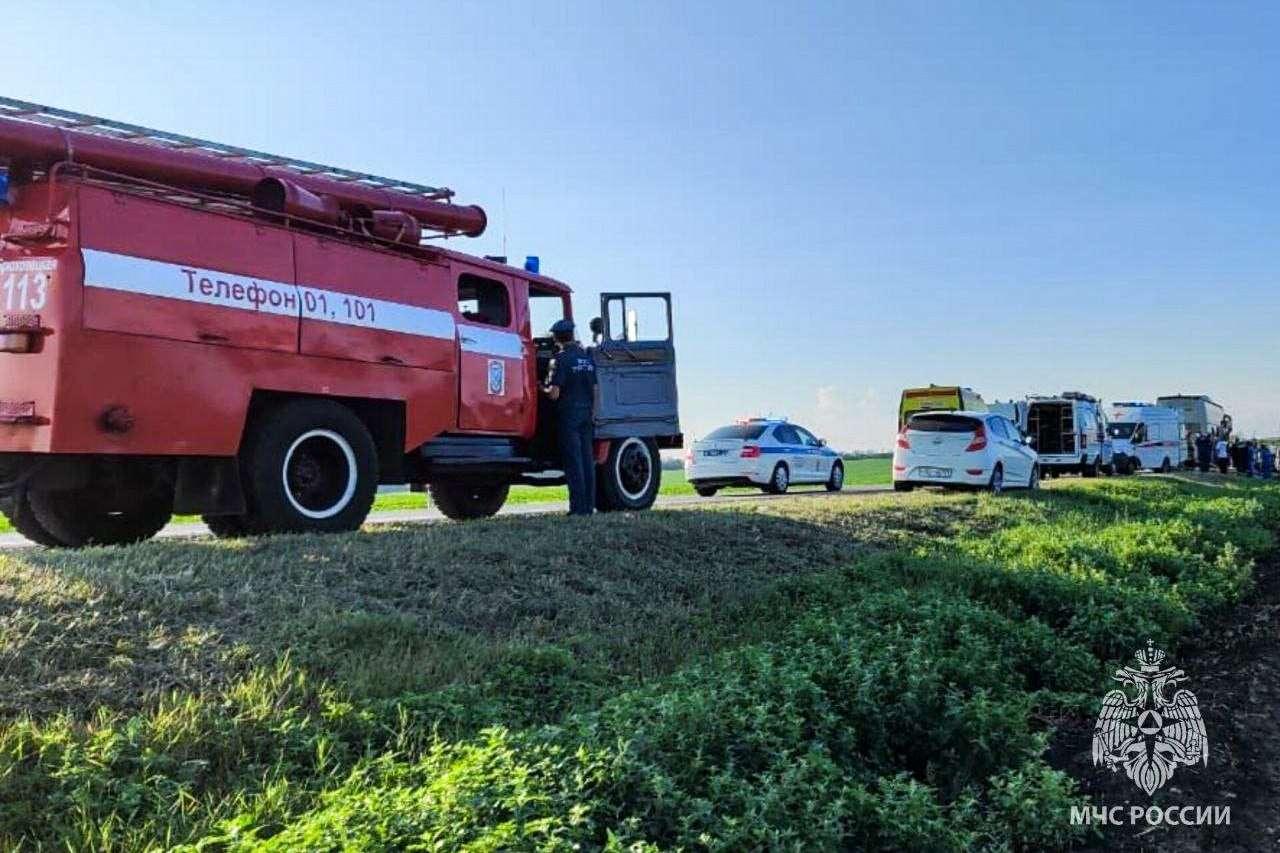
x,y
33,136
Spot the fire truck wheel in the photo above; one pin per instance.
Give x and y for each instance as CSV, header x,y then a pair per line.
x,y
464,501
18,510
309,466
94,516
226,526
630,476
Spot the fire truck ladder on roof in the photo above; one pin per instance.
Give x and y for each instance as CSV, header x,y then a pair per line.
x,y
81,123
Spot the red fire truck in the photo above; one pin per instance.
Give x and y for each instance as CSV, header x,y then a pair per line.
x,y
193,328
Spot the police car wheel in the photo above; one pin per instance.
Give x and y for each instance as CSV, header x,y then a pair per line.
x,y
900,486
1033,482
630,476
309,466
706,491
836,481
464,501
779,480
996,486
1166,467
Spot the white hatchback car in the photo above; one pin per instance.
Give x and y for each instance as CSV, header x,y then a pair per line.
x,y
963,450
770,454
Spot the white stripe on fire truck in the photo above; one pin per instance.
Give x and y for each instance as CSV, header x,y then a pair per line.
x,y
487,341
190,284
213,287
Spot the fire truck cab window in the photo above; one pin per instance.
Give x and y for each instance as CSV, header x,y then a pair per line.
x,y
544,309
638,318
483,300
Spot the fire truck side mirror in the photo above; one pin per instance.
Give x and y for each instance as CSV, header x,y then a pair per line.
x,y
597,327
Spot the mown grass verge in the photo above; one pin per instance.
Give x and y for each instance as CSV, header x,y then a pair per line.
x,y
872,673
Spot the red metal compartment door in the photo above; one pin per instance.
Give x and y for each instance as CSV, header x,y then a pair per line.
x,y
168,271
491,392
366,305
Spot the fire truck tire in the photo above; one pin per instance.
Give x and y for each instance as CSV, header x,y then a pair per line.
x,y
309,466
630,477
18,510
463,501
92,516
226,526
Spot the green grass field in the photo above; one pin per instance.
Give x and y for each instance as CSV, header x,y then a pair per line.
x,y
861,672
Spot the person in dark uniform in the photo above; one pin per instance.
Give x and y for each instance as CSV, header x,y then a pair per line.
x,y
1204,451
1266,462
571,383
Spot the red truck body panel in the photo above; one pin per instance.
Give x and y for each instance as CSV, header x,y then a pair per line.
x,y
179,314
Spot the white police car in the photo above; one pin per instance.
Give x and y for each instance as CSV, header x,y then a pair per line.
x,y
770,454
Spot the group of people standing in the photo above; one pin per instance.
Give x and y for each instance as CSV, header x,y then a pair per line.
x,y
1251,458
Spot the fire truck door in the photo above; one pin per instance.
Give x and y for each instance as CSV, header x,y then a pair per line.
x,y
491,369
636,367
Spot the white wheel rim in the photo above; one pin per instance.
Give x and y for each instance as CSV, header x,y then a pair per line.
x,y
780,478
621,481
838,478
348,492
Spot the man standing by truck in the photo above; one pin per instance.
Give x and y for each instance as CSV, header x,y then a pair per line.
x,y
571,383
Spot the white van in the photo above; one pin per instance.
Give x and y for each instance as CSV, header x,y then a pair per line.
x,y
1069,433
1146,436
1199,415
1014,410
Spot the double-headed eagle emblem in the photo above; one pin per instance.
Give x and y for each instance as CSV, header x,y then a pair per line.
x,y
1149,734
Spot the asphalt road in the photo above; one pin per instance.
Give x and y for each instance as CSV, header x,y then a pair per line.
x,y
429,515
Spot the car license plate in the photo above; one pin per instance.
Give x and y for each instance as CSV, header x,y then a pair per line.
x,y
934,473
714,452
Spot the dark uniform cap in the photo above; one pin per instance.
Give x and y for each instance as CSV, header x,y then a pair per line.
x,y
562,327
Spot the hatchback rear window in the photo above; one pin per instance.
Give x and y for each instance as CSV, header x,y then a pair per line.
x,y
743,432
941,423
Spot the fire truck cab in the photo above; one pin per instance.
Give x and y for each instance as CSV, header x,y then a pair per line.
x,y
264,345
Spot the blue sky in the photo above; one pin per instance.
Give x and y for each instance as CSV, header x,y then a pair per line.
x,y
845,199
